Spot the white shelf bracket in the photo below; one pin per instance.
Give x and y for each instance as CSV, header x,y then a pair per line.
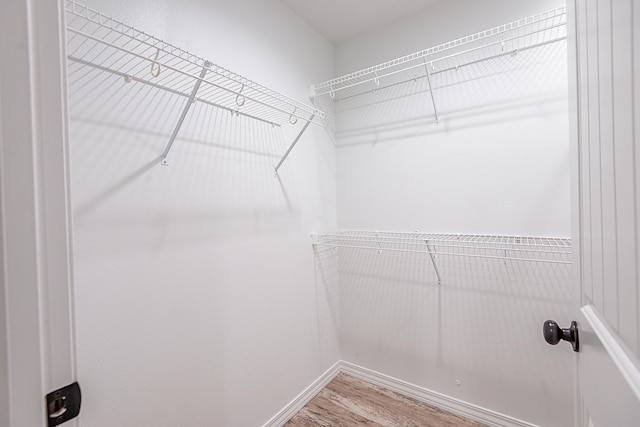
x,y
295,141
433,101
192,97
433,261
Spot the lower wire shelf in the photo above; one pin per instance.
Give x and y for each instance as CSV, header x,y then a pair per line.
x,y
552,250
555,250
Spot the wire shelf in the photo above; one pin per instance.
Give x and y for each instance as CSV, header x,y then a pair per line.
x,y
505,40
102,44
553,250
99,41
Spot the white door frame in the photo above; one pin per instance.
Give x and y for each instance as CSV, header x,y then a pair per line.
x,y
36,299
575,174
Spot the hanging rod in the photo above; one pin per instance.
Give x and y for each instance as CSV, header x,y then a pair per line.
x,y
508,38
101,42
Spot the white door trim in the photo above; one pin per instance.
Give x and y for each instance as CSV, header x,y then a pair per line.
x,y
35,264
622,356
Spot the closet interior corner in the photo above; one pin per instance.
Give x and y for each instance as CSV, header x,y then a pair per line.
x,y
434,185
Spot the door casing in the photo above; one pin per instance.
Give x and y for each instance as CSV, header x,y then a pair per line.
x,y
36,272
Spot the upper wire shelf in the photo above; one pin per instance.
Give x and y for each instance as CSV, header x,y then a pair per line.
x,y
103,43
553,250
508,39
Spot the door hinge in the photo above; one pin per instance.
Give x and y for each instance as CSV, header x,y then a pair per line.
x,y
63,404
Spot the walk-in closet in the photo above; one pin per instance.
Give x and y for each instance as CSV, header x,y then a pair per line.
x,y
215,211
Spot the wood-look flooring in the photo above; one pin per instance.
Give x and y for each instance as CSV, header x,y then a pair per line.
x,y
348,401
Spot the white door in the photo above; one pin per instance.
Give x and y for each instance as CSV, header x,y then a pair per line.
x,y
605,48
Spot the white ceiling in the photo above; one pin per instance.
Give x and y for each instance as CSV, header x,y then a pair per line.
x,y
339,20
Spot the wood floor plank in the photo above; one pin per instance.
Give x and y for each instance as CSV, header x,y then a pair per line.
x,y
348,401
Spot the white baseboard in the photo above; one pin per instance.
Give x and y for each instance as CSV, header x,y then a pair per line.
x,y
446,403
421,394
303,398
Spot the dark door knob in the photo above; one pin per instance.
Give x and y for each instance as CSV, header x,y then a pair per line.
x,y
554,333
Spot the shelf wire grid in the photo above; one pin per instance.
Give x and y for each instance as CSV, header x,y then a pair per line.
x,y
102,43
505,40
554,250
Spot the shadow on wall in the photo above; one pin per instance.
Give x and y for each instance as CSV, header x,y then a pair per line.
x,y
220,180
506,88
327,299
475,337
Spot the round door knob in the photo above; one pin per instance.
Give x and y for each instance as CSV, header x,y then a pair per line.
x,y
553,333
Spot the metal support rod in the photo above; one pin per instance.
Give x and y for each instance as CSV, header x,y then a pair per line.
x,y
192,97
295,141
433,101
433,261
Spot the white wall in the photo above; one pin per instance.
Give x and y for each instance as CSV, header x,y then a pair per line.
x,y
477,338
498,163
197,300
500,151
